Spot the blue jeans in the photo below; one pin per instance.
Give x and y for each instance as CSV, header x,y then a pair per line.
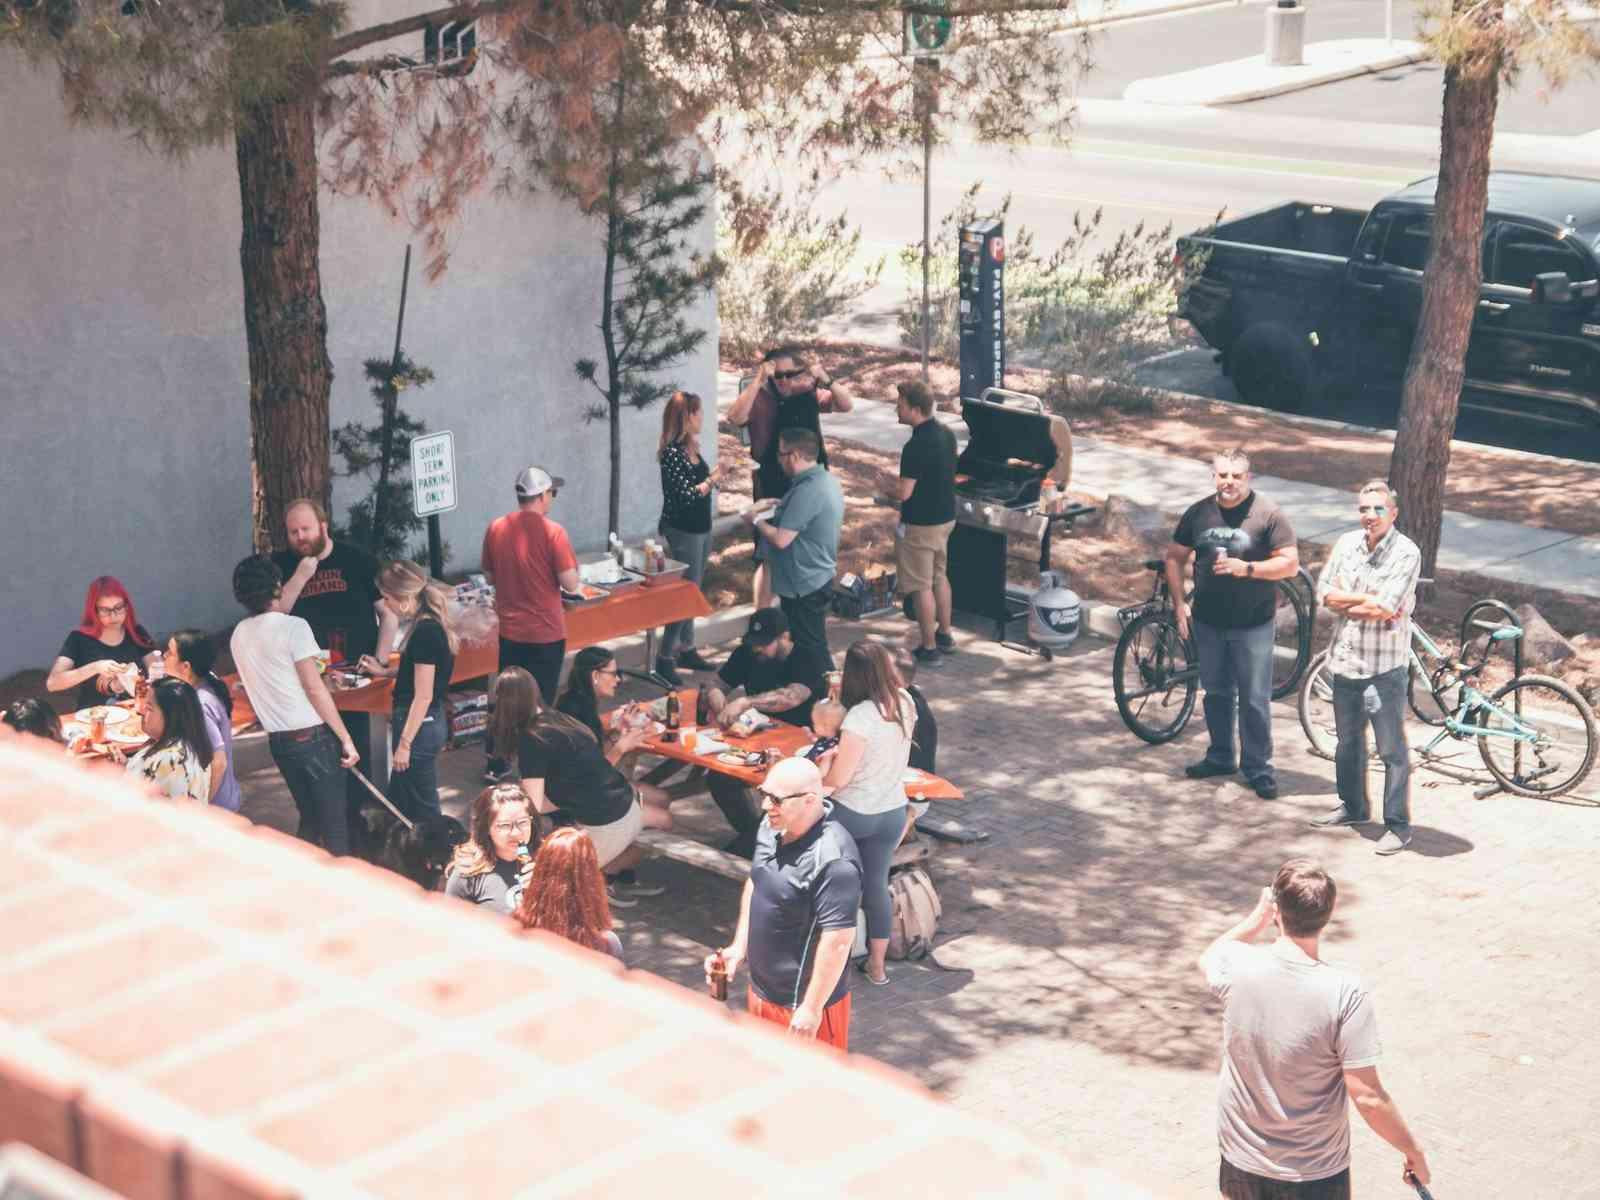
x,y
415,791
308,760
688,548
1236,669
1350,717
876,837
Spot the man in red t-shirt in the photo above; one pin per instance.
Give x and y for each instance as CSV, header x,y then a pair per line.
x,y
529,560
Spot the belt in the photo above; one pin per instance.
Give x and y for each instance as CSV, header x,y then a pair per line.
x,y
297,735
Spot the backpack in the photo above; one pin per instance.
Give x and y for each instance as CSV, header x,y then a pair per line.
x,y
914,918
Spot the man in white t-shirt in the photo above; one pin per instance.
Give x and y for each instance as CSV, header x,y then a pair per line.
x,y
1299,1039
276,657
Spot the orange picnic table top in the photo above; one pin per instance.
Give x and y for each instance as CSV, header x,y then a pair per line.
x,y
587,625
786,740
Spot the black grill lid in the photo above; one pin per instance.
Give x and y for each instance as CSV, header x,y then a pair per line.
x,y
1002,426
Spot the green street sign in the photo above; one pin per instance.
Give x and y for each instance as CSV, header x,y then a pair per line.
x,y
925,33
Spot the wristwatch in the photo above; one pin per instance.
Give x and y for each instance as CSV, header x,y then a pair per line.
x,y
1250,570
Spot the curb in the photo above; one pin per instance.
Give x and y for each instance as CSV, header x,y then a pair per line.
x,y
1160,89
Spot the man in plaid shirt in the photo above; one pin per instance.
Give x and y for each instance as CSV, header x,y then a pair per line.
x,y
1370,584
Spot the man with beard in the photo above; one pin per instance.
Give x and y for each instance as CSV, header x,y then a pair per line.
x,y
333,587
1240,544
788,392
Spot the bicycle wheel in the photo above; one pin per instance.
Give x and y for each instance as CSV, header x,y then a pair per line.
x,y
1155,678
1316,708
1562,750
1291,639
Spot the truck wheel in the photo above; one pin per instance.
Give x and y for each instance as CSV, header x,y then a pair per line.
x,y
1272,367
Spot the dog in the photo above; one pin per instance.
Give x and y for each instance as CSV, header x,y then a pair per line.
x,y
421,853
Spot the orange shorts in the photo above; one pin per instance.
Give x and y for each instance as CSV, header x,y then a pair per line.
x,y
834,1029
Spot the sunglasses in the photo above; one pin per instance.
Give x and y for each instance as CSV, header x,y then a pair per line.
x,y
776,800
1376,510
795,374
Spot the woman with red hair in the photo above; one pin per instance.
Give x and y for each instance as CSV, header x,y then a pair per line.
x,y
106,652
566,894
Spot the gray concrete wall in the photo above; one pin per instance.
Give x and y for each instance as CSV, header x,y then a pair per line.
x,y
123,377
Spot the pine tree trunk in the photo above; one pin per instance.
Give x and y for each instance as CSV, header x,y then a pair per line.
x,y
286,324
1450,288
614,365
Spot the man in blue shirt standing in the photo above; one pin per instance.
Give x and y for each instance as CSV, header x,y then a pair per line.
x,y
801,539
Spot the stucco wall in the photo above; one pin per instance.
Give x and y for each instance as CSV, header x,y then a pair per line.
x,y
123,374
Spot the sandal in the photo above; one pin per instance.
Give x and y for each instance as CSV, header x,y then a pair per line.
x,y
861,966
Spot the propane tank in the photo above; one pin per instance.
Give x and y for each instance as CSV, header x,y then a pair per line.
x,y
1055,612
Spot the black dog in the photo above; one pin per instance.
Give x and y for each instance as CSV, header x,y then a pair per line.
x,y
422,853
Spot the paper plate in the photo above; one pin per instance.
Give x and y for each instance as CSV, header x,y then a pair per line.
x,y
109,713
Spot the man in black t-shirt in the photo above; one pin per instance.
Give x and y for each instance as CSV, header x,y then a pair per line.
x,y
334,589
780,679
797,916
1240,544
926,494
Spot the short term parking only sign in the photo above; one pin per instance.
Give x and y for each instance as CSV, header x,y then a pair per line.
x,y
433,473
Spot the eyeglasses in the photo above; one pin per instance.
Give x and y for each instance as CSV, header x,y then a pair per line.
x,y
521,826
612,670
1376,510
777,801
111,610
787,375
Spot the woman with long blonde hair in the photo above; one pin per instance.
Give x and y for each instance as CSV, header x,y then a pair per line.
x,y
419,725
686,483
566,894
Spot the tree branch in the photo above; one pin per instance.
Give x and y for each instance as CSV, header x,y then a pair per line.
x,y
468,10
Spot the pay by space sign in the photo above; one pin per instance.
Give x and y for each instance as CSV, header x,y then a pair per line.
x,y
433,473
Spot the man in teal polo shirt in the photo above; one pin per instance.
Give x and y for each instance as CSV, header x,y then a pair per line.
x,y
801,539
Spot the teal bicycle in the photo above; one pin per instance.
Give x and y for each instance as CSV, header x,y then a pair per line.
x,y
1536,734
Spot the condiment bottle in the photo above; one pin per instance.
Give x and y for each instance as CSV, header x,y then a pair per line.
x,y
719,977
702,707
674,718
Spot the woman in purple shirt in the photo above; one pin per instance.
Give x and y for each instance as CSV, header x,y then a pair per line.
x,y
190,656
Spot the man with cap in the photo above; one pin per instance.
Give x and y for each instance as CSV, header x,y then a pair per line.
x,y
797,916
778,678
529,560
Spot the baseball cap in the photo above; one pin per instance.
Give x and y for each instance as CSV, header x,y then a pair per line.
x,y
536,481
767,625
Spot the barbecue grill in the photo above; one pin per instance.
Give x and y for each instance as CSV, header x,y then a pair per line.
x,y
1013,447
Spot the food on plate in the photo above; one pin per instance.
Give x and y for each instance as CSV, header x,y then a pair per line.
x,y
108,714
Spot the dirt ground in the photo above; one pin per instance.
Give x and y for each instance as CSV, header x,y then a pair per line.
x,y
1483,482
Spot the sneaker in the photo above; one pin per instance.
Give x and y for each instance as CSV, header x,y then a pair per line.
x,y
924,655
1206,769
1266,787
1392,843
945,643
693,660
628,885
665,669
1339,816
618,900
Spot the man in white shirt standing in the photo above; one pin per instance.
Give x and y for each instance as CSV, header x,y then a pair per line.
x,y
276,656
1299,1039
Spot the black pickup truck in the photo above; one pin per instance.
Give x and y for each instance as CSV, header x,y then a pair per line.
x,y
1309,300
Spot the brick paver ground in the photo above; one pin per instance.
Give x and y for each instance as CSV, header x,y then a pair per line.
x,y
1062,996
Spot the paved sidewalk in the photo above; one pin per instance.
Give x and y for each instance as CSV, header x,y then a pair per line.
x,y
1498,549
1253,78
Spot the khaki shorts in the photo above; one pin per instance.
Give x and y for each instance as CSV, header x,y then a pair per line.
x,y
919,556
611,840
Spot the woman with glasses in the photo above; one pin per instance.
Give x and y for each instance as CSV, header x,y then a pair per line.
x,y
564,771
419,726
686,483
566,894
105,654
177,761
867,775
492,865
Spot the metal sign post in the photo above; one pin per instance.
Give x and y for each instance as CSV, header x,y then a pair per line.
x,y
433,487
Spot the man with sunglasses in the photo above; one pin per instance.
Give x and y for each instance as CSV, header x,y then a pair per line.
x,y
787,392
1370,586
797,916
529,559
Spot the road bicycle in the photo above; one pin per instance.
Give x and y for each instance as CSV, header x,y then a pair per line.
x,y
1155,672
1536,734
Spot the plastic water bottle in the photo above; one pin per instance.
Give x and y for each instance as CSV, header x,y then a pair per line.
x,y
1370,700
616,546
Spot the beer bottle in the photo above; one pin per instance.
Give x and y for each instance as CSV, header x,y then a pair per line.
x,y
674,717
702,708
719,977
